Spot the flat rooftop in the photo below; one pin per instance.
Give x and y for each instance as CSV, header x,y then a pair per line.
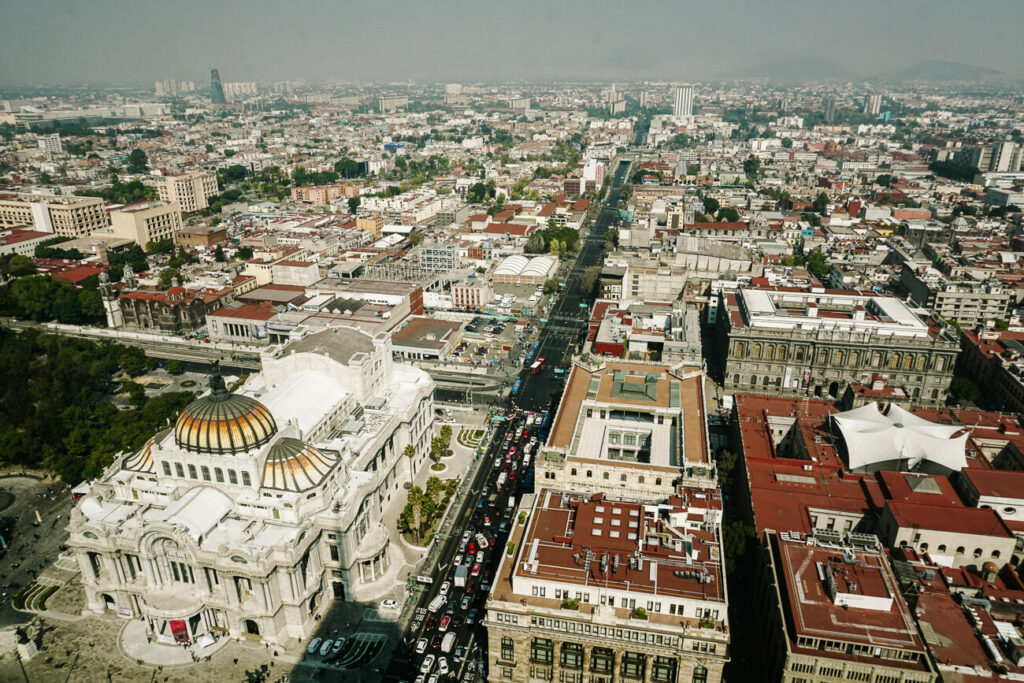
x,y
348,285
426,333
827,595
340,343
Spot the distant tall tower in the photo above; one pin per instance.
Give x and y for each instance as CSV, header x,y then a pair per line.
x,y
111,304
830,108
216,89
872,105
682,100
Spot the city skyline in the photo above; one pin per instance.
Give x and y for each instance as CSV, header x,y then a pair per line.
x,y
562,43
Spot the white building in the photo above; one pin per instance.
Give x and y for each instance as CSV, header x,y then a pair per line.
x,y
682,100
51,143
259,507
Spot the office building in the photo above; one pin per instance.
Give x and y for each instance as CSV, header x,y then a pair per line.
x,y
190,190
259,508
216,88
629,428
815,341
682,100
602,588
834,612
147,221
62,215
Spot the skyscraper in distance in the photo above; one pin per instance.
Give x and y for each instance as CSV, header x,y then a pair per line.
x,y
216,88
873,105
830,108
682,100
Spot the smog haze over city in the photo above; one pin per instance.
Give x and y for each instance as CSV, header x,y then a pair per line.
x,y
465,342
321,40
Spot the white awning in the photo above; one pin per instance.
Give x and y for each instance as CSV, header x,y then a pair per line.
x,y
874,437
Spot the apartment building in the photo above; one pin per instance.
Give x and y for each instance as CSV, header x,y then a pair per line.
x,y
814,341
191,190
437,257
473,297
994,360
147,221
66,216
599,588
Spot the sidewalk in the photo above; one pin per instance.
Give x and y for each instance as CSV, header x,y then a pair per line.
x,y
135,644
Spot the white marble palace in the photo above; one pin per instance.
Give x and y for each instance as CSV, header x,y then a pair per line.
x,y
260,506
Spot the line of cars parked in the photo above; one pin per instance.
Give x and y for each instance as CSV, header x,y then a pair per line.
x,y
456,610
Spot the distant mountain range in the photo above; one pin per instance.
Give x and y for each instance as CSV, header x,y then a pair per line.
x,y
804,70
937,70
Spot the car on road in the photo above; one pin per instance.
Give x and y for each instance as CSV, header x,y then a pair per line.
x,y
458,560
314,645
471,617
480,556
487,520
428,664
457,657
450,610
444,624
481,541
326,647
421,646
433,679
466,536
445,587
465,603
338,644
420,679
435,642
389,604
442,666
476,569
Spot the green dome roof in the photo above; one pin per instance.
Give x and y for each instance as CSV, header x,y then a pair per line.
x,y
222,422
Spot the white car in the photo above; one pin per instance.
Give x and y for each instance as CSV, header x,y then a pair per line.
x,y
338,644
458,560
388,604
326,647
442,666
421,646
480,556
449,420
433,679
313,645
445,587
428,664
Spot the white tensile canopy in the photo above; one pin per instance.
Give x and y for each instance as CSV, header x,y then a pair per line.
x,y
874,437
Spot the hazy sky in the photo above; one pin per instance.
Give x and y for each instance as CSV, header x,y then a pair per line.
x,y
102,41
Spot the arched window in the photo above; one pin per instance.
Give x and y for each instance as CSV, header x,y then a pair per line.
x,y
756,352
753,380
977,552
622,477
839,358
942,548
769,352
741,349
922,360
766,380
854,359
799,353
940,363
605,476
995,554
780,353
894,361
960,550
908,361
640,479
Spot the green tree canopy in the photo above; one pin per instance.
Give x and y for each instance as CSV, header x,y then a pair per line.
x,y
137,161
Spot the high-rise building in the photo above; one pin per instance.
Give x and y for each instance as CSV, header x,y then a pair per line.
x,y
830,109
159,88
873,105
51,143
190,190
682,100
147,221
216,89
58,214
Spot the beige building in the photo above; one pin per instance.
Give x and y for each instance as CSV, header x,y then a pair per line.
x,y
147,221
471,297
627,427
60,215
598,589
372,224
191,190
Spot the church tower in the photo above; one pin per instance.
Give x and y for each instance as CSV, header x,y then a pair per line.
x,y
111,304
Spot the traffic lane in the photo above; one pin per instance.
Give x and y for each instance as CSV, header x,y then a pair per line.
x,y
475,513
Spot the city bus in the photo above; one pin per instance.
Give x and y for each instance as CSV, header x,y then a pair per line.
x,y
537,366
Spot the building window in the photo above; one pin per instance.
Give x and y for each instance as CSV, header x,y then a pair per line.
x,y
700,674
219,474
507,649
798,355
601,660
589,474
179,470
245,479
206,472
622,477
640,479
572,656
167,468
232,476
542,651
633,665
192,472
605,476
664,669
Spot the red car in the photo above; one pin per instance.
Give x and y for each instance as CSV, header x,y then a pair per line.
x,y
444,624
475,572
